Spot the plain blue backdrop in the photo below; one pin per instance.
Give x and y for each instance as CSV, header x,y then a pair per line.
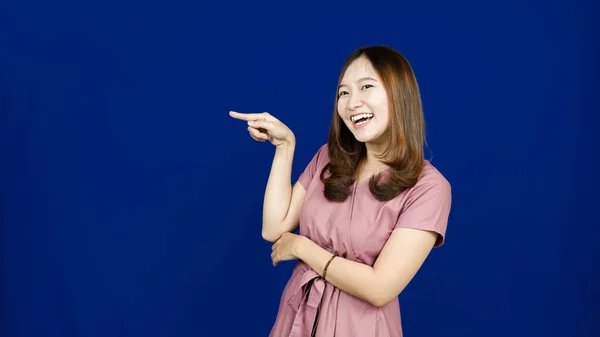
x,y
131,201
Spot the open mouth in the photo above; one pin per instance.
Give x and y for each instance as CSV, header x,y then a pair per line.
x,y
361,118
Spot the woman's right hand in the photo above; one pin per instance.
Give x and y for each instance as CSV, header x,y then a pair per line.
x,y
263,126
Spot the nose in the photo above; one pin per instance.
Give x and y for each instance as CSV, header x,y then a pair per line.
x,y
354,102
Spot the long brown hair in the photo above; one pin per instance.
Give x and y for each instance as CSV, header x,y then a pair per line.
x,y
406,133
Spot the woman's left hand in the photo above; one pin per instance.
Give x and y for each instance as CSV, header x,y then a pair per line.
x,y
285,248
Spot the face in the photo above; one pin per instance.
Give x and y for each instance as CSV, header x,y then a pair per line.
x,y
363,103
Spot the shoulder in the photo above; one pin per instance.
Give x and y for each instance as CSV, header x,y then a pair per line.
x,y
316,164
426,205
431,184
321,157
430,175
323,152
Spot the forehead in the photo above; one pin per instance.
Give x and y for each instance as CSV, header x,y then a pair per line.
x,y
358,69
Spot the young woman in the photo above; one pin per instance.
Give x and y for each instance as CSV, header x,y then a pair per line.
x,y
369,206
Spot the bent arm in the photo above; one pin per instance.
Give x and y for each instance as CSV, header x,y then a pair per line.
x,y
399,261
282,202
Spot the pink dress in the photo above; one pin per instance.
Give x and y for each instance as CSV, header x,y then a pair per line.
x,y
356,229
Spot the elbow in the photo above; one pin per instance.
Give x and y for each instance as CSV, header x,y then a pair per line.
x,y
379,297
270,236
381,301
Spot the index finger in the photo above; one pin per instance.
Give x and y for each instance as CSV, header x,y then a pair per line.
x,y
247,116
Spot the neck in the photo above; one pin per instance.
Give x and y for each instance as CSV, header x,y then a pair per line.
x,y
373,161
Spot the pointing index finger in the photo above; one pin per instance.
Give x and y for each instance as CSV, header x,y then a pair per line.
x,y
247,116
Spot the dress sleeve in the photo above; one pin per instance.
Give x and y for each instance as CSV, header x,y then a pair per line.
x,y
313,167
427,207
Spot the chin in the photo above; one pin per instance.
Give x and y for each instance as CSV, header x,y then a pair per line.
x,y
369,134
365,138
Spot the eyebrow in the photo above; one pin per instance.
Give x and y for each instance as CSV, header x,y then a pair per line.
x,y
360,80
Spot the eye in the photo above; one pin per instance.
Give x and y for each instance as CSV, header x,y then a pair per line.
x,y
342,93
367,86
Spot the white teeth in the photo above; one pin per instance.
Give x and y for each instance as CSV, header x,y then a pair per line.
x,y
357,117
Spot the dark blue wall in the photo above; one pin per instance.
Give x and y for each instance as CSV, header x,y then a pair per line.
x,y
131,201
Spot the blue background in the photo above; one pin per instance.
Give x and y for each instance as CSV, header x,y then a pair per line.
x,y
131,201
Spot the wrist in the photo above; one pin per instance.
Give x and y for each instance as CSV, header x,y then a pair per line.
x,y
299,246
288,143
285,149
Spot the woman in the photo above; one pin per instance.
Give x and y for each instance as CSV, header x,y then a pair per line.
x,y
369,206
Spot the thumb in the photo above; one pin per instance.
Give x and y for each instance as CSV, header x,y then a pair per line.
x,y
261,124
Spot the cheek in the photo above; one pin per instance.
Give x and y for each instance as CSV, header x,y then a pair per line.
x,y
381,105
341,107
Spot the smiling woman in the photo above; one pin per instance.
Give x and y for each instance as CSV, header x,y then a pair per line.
x,y
380,106
369,207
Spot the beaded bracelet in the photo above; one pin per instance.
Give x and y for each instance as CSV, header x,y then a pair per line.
x,y
327,265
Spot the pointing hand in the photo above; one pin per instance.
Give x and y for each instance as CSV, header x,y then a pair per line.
x,y
263,126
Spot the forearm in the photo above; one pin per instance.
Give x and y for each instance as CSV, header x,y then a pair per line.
x,y
278,192
357,279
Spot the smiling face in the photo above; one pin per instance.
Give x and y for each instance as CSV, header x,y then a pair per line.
x,y
363,103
